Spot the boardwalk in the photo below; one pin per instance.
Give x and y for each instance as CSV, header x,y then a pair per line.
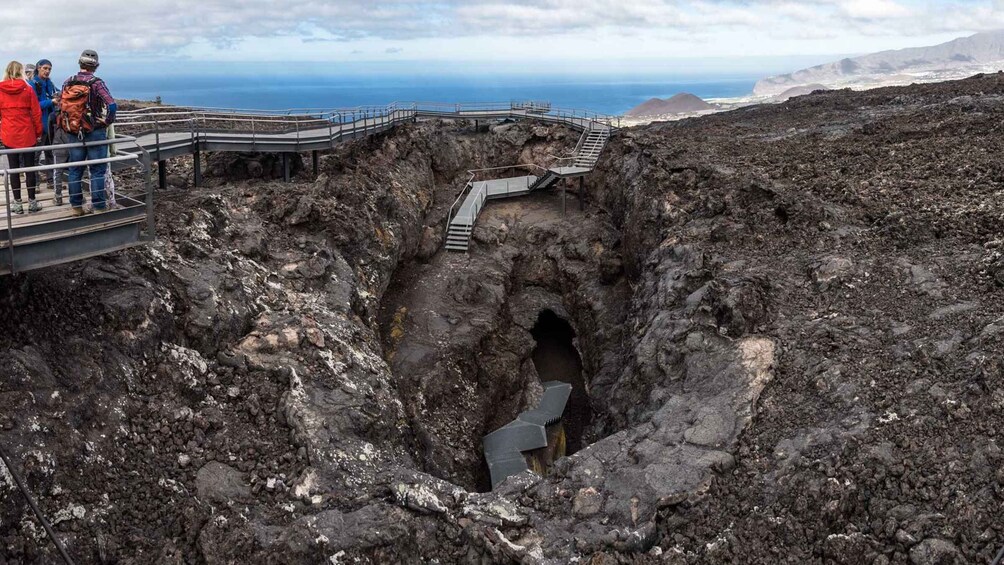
x,y
160,133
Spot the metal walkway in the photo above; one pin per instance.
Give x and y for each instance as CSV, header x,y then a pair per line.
x,y
472,199
169,132
55,236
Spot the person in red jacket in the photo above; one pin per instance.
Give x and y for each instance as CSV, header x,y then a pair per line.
x,y
20,126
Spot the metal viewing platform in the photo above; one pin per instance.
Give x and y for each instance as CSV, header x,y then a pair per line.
x,y
54,234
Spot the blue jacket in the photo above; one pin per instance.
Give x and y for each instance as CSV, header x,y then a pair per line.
x,y
46,92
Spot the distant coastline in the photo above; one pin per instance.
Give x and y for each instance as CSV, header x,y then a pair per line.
x,y
615,96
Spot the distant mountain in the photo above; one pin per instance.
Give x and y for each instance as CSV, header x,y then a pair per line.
x,y
682,103
965,55
799,91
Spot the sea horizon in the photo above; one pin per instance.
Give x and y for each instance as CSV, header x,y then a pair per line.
x,y
612,95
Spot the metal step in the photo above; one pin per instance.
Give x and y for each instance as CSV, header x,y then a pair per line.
x,y
545,181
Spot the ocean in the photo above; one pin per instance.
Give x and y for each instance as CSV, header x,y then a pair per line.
x,y
608,95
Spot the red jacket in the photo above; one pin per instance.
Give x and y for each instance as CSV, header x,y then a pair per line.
x,y
20,114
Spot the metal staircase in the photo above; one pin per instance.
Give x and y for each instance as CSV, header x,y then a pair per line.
x,y
466,209
458,238
547,181
593,142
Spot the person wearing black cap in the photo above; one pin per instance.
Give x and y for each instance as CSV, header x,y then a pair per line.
x,y
47,100
100,114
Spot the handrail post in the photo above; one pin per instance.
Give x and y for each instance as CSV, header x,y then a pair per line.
x,y
449,219
156,134
331,133
151,226
10,225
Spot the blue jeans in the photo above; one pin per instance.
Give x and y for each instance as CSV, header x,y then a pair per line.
x,y
97,172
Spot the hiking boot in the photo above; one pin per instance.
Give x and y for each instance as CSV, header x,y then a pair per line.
x,y
17,207
79,211
58,199
34,206
100,210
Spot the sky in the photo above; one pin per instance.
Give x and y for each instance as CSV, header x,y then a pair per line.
x,y
531,35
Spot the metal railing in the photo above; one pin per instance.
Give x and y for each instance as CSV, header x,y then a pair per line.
x,y
128,200
488,174
314,123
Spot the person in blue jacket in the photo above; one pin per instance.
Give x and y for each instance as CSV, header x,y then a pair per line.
x,y
48,99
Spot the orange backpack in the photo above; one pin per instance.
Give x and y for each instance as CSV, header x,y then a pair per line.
x,y
76,111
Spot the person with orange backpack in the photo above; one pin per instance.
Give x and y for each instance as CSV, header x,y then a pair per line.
x,y
86,109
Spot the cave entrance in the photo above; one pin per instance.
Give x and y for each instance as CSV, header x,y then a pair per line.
x,y
556,359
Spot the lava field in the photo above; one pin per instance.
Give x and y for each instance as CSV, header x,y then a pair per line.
x,y
782,326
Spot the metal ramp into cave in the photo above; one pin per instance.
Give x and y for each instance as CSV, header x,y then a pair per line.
x,y
507,448
476,193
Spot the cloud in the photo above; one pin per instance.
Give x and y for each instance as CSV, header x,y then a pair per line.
x,y
875,9
155,26
152,25
393,50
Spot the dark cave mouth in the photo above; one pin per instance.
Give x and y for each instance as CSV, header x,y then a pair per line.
x,y
556,358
